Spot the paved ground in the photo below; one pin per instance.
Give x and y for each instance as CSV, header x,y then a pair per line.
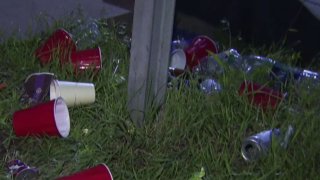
x,y
20,17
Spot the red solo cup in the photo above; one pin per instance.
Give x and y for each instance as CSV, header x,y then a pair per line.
x,y
99,172
199,49
87,59
50,118
261,96
59,42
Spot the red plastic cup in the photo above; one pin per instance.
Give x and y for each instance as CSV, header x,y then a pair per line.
x,y
261,96
199,49
99,172
47,119
87,59
60,42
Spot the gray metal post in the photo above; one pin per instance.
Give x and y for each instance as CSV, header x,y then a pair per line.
x,y
151,39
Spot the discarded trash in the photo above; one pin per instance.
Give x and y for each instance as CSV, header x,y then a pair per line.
x,y
178,59
87,59
3,86
209,86
190,56
86,34
73,93
60,43
285,74
21,171
248,63
49,118
180,44
287,137
99,172
178,56
118,79
199,48
261,96
36,87
175,72
209,67
251,63
259,144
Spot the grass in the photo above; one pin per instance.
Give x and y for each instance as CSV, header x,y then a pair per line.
x,y
192,131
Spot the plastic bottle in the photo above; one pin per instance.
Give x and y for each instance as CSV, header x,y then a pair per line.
x,y
302,78
86,34
209,86
213,65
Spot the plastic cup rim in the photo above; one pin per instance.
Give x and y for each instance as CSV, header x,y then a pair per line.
x,y
66,118
40,73
182,55
211,40
108,170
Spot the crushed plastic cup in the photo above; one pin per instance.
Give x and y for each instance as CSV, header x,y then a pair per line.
x,y
36,87
261,96
99,172
21,171
187,55
87,59
60,43
73,93
46,119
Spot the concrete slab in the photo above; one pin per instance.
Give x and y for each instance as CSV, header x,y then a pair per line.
x,y
20,17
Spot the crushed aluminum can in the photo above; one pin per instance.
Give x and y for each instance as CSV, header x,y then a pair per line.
x,y
259,144
21,171
36,87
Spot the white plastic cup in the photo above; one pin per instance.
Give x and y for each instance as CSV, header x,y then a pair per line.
x,y
73,93
178,59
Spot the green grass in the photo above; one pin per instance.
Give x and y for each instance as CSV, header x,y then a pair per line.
x,y
192,131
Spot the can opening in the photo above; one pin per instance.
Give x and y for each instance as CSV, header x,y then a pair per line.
x,y
250,151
